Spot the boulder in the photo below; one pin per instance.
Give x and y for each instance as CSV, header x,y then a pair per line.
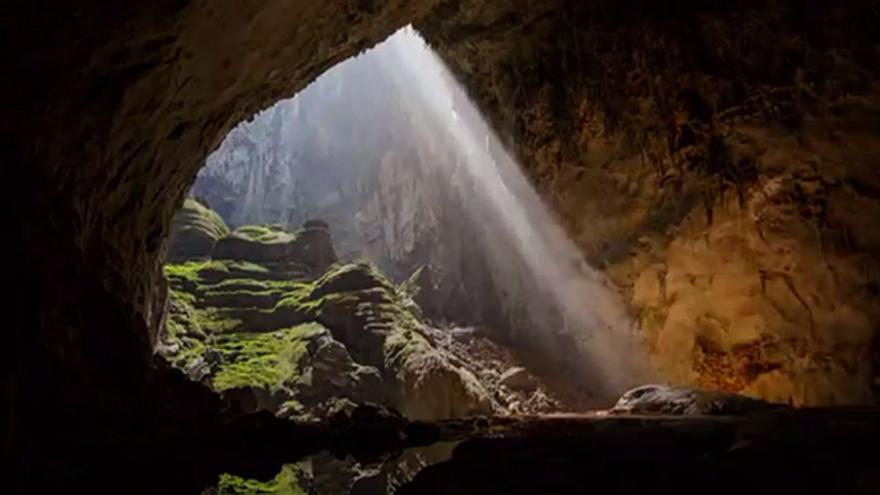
x,y
663,399
432,388
311,248
518,378
349,278
195,230
254,243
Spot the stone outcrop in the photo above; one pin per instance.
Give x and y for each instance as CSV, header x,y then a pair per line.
x,y
383,188
310,248
195,231
255,324
666,400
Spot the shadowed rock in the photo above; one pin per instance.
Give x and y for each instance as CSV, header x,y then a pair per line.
x,y
195,230
666,400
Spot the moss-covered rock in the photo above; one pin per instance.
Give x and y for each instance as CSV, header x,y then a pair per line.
x,y
261,360
287,482
195,230
379,327
310,248
269,338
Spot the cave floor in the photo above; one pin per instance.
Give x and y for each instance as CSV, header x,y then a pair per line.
x,y
835,450
831,450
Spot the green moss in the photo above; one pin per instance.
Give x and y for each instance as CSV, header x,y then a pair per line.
x,y
216,320
285,483
245,353
187,271
264,360
364,269
235,267
179,297
298,299
256,288
197,215
267,234
406,337
194,232
250,284
183,337
242,292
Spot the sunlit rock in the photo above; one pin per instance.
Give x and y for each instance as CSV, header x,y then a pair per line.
x,y
663,399
272,338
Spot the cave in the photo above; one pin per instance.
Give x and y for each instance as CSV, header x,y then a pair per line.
x,y
712,163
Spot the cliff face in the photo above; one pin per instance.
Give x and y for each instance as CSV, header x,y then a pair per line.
x,y
386,190
716,162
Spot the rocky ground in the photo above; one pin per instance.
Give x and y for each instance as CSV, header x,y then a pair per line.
x,y
271,320
516,389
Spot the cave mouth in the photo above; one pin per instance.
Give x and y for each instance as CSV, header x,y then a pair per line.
x,y
340,239
716,161
370,241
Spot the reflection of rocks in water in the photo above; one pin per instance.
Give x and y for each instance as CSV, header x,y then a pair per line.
x,y
347,476
324,474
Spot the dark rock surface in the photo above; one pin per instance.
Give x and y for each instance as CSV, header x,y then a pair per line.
x,y
716,160
793,451
194,232
311,248
666,400
113,107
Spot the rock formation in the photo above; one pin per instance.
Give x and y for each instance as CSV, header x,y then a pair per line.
x,y
269,321
715,161
195,230
664,400
716,157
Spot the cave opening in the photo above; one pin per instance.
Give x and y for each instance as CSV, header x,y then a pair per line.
x,y
432,207
710,165
321,262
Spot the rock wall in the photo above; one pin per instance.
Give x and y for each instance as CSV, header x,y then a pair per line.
x,y
386,190
112,110
716,161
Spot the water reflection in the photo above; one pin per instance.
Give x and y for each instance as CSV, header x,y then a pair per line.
x,y
324,474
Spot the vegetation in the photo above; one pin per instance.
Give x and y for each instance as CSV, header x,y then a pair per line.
x,y
196,215
191,275
214,320
285,483
232,323
195,230
183,333
264,360
267,234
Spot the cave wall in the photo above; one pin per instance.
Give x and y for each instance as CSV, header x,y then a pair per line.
x,y
112,111
717,160
744,135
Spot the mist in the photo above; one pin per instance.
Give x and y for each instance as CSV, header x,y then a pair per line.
x,y
388,148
